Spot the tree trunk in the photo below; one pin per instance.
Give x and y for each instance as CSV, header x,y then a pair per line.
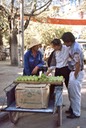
x,y
14,49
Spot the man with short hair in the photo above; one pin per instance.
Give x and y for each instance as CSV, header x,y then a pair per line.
x,y
59,60
76,65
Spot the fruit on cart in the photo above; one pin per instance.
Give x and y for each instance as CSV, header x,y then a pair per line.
x,y
42,78
56,78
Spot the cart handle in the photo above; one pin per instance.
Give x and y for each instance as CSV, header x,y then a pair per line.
x,y
9,86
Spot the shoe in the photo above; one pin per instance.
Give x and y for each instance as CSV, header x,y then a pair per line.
x,y
69,111
73,116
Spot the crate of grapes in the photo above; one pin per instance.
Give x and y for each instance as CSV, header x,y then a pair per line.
x,y
43,79
36,81
33,91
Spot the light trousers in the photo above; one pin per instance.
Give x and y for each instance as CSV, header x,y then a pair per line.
x,y
74,91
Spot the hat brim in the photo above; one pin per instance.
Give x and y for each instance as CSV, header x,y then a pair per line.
x,y
33,43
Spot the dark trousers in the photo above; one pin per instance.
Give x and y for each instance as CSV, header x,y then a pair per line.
x,y
61,72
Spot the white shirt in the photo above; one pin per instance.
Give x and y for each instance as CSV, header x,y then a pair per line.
x,y
62,57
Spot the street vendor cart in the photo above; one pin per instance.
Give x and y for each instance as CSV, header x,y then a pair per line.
x,y
14,110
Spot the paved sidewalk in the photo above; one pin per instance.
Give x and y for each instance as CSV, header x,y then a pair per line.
x,y
9,73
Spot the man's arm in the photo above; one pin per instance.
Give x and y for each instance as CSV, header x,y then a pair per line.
x,y
77,65
41,63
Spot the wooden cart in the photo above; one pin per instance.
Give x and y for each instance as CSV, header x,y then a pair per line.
x,y
14,111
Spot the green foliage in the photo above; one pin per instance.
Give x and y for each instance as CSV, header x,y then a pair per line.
x,y
4,27
45,32
83,33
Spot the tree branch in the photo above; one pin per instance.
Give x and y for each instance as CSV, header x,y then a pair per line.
x,y
35,14
49,2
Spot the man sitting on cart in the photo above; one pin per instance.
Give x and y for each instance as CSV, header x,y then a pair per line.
x,y
33,58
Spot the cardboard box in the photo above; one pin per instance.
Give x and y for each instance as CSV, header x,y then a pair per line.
x,y
32,95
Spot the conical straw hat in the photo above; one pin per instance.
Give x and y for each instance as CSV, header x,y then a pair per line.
x,y
33,42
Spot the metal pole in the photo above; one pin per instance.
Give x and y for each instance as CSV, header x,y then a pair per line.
x,y
22,29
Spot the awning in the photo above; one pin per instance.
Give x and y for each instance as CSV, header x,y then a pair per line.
x,y
60,21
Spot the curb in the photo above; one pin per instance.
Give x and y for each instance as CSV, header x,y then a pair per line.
x,y
3,116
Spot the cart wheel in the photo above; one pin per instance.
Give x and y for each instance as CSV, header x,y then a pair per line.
x,y
14,116
59,108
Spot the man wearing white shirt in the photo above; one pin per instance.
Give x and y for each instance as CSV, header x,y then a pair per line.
x,y
59,60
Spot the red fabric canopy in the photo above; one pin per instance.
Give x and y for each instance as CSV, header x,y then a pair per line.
x,y
61,21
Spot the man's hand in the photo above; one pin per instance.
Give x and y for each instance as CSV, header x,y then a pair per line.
x,y
48,72
35,70
77,66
